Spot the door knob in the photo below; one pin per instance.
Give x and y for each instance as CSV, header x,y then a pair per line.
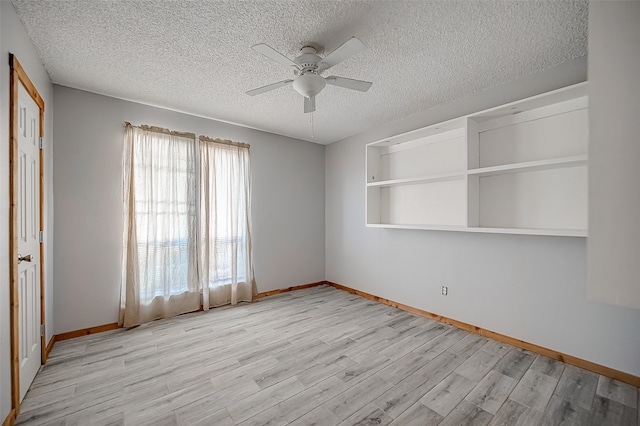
x,y
26,258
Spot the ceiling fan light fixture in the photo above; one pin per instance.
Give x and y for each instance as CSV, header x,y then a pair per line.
x,y
309,85
308,67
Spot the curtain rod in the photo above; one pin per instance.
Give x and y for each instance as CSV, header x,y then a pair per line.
x,y
162,130
188,135
224,141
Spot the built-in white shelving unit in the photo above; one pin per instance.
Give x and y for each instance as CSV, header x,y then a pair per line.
x,y
520,168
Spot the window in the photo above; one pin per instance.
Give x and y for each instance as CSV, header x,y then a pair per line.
x,y
225,209
164,214
186,241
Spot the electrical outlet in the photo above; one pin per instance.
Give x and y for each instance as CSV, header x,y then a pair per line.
x,y
445,290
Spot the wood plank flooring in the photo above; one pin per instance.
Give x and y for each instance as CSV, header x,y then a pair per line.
x,y
318,356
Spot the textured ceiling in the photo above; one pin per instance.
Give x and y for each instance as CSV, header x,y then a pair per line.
x,y
195,56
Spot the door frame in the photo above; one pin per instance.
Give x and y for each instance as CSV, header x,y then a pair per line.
x,y
18,75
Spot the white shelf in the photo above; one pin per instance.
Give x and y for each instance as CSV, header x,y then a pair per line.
x,y
425,132
529,231
417,180
423,227
531,166
486,230
543,100
519,168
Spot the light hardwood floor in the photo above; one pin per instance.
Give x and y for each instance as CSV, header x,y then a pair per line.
x,y
318,356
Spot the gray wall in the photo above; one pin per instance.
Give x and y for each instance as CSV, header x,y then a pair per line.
x,y
14,39
528,287
288,202
614,147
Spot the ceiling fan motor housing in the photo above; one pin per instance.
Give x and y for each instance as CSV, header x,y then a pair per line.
x,y
309,83
308,60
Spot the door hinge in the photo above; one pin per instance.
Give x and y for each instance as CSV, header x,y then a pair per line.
x,y
41,237
42,330
40,143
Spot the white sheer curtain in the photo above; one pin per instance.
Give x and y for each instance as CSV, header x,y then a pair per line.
x,y
225,223
160,271
187,224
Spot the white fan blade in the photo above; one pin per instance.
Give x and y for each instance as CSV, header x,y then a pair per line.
x,y
268,87
349,83
347,50
309,104
274,55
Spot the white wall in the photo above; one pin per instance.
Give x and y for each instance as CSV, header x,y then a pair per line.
x,y
288,202
529,287
14,39
614,147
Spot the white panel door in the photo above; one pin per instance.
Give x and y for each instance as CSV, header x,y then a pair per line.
x,y
28,199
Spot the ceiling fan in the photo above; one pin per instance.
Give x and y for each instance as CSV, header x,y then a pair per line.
x,y
308,68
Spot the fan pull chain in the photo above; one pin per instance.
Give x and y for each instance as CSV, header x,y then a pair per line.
x,y
311,120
